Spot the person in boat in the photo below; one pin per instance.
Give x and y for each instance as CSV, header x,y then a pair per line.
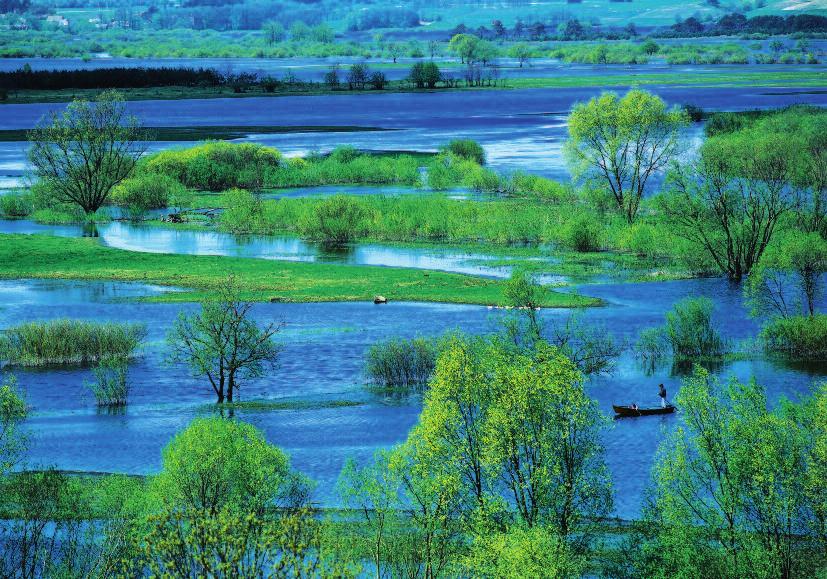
x,y
633,406
662,394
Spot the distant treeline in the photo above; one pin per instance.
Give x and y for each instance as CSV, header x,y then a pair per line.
x,y
102,78
740,24
574,29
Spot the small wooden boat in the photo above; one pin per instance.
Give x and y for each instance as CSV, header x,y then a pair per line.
x,y
628,411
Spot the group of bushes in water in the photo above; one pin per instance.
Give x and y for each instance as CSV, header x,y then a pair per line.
x,y
764,170
504,473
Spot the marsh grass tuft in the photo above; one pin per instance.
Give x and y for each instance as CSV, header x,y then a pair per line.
x,y
68,341
402,363
111,383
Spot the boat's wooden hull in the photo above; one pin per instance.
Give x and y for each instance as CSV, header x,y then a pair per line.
x,y
629,412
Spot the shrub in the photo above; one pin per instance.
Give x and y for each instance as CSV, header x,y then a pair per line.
x,y
466,149
400,363
344,154
797,337
16,205
425,74
652,347
582,233
110,387
535,186
147,191
217,463
336,220
68,342
642,239
215,166
242,213
690,331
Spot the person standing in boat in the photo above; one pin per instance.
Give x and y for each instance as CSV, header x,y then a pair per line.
x,y
662,394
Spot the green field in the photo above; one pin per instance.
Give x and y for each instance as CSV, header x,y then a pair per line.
x,y
48,257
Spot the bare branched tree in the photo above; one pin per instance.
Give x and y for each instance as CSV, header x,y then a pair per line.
x,y
224,343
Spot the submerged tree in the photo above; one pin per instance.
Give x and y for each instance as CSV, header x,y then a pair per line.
x,y
788,279
622,142
224,343
82,152
730,202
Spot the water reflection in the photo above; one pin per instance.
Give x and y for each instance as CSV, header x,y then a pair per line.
x,y
154,239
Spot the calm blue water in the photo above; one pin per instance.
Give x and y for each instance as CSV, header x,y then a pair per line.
x,y
520,129
314,69
153,239
324,345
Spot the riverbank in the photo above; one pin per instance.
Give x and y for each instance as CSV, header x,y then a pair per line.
x,y
706,79
47,257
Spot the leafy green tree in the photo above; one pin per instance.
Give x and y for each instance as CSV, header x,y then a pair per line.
x,y
730,498
730,201
454,414
224,343
622,142
358,76
425,74
431,492
83,152
519,432
48,533
231,544
410,515
542,436
217,464
373,491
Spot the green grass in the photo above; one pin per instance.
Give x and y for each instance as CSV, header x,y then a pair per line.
x,y
47,257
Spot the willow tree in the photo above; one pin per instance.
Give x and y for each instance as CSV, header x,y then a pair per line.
x,y
84,151
731,200
736,484
623,142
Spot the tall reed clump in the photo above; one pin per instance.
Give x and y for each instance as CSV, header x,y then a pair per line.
x,y
689,334
335,221
69,342
110,385
402,363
